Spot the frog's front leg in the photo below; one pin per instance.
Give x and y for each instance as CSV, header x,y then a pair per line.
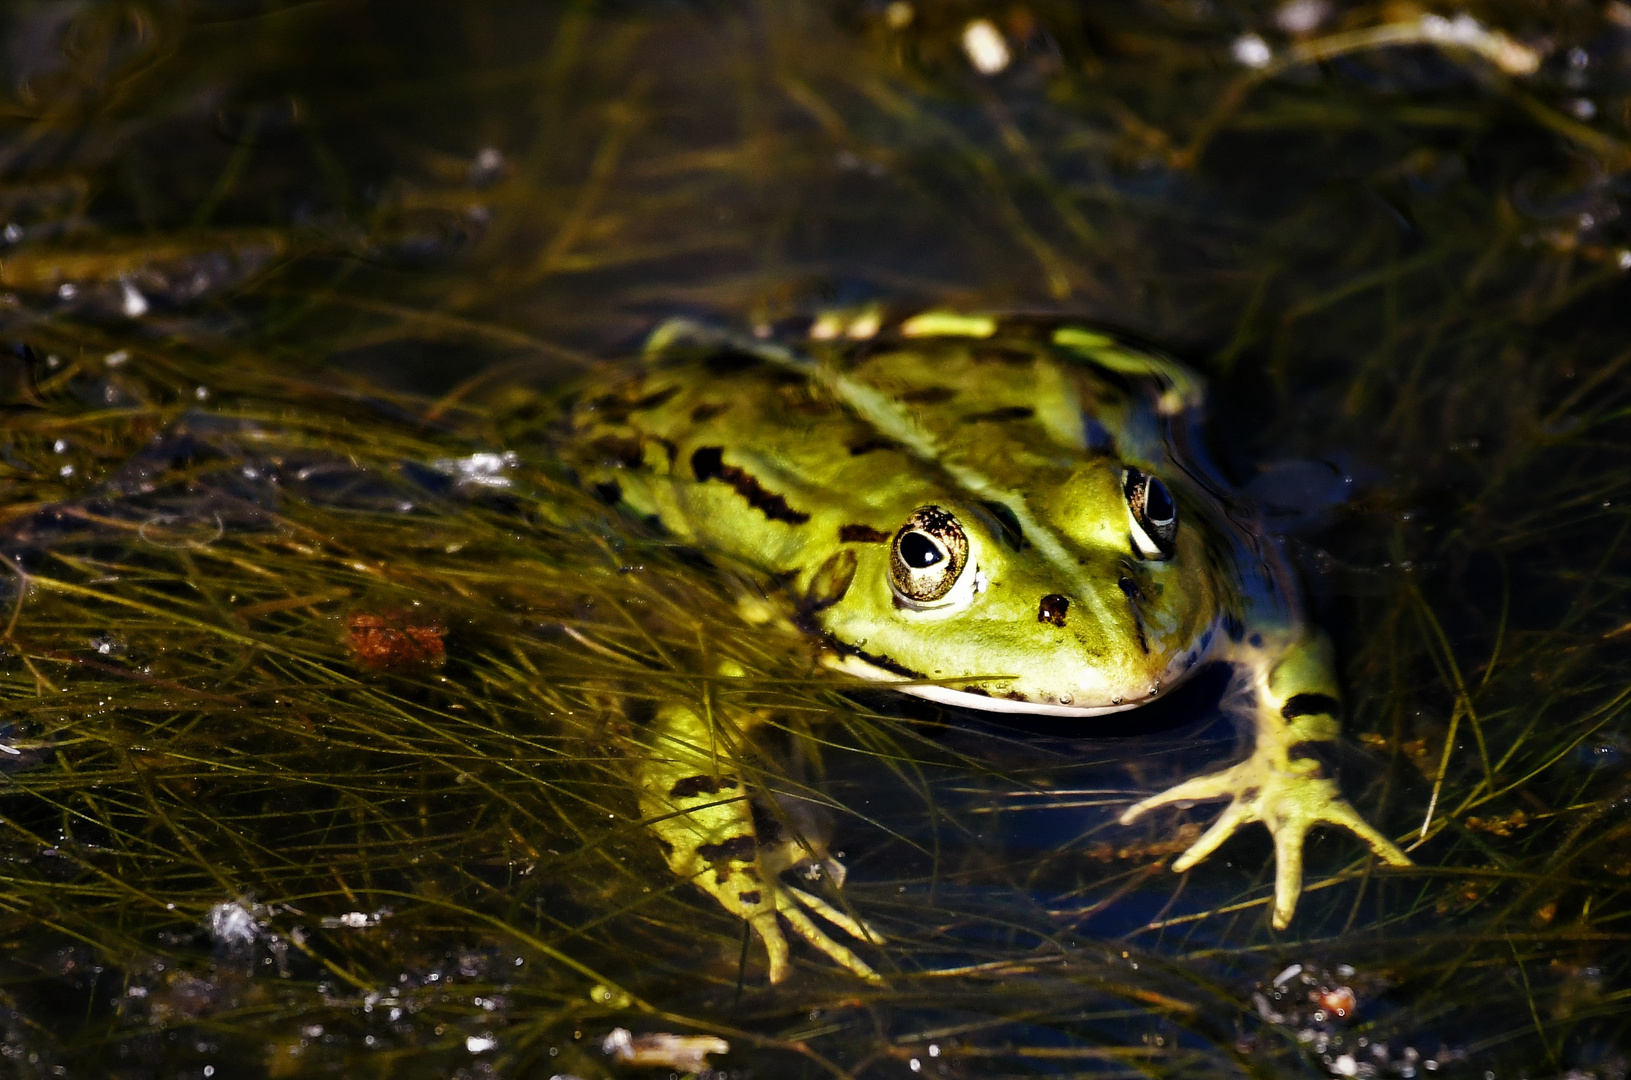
x,y
1285,783
697,806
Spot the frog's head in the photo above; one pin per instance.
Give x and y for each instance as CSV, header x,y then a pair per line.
x,y
1092,598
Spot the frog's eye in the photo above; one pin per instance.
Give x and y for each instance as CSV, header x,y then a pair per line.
x,y
927,557
1154,514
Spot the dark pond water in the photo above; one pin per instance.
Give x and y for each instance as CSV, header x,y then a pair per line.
x,y
317,673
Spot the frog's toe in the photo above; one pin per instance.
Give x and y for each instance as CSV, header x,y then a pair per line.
x,y
858,929
1288,869
1317,804
1341,814
1237,814
1197,790
770,932
788,901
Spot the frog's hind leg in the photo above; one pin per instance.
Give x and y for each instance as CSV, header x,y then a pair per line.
x,y
699,809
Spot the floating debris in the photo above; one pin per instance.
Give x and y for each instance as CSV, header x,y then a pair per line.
x,y
688,1053
487,167
485,469
387,639
1251,51
986,48
353,920
1302,16
233,924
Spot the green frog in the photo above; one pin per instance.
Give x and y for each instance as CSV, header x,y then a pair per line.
x,y
995,513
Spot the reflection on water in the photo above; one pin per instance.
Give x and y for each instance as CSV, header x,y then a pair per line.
x,y
318,673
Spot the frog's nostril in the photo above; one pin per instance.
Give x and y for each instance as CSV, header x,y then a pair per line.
x,y
1052,609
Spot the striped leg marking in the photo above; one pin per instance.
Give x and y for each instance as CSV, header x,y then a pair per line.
x,y
700,813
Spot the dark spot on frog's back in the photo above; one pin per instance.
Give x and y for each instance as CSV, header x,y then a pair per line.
x,y
1052,609
869,445
621,450
692,786
993,354
1011,412
707,411
730,361
653,399
737,848
750,897
1310,705
927,395
861,534
708,463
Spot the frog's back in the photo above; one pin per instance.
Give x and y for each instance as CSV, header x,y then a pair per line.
x,y
791,435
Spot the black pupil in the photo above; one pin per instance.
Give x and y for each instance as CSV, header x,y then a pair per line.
x,y
918,551
1158,506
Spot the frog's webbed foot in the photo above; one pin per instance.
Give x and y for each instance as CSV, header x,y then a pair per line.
x,y
791,902
1289,797
701,813
747,883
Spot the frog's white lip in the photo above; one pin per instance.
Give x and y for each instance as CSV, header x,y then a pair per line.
x,y
965,699
986,703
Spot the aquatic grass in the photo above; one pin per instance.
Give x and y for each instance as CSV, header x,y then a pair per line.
x,y
1381,259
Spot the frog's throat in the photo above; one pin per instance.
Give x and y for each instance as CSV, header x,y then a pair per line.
x,y
965,699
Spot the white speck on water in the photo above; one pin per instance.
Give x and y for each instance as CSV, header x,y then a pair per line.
x,y
135,304
917,1066
67,470
1251,51
67,290
899,15
484,469
1344,1066
1583,109
231,923
60,446
1288,974
209,1070
117,358
1302,16
480,1044
986,48
201,393
14,233
934,1049
1623,260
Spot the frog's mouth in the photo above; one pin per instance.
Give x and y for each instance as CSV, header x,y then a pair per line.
x,y
864,667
